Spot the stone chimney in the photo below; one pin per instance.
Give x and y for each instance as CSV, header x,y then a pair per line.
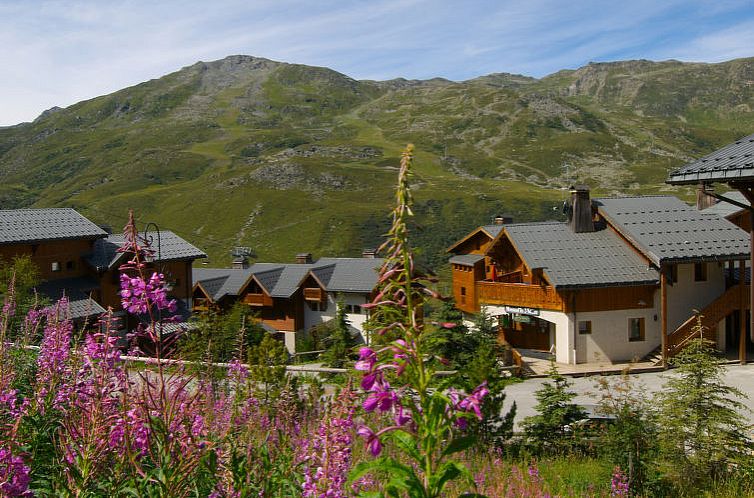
x,y
703,199
240,263
502,219
369,253
580,218
304,258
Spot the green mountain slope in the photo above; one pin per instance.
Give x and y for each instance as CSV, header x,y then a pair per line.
x,y
289,158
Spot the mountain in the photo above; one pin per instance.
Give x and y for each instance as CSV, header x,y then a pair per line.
x,y
286,158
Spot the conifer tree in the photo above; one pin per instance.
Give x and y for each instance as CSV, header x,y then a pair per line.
x,y
702,430
550,430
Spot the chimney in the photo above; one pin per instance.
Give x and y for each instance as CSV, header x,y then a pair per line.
x,y
502,219
240,263
703,199
240,257
580,217
369,253
304,258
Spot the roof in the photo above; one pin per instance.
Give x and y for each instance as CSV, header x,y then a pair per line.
x,y
733,162
77,290
37,225
492,231
466,259
666,229
283,280
171,248
353,274
570,259
725,209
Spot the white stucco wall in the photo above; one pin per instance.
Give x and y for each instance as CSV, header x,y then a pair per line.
x,y
687,295
609,338
355,320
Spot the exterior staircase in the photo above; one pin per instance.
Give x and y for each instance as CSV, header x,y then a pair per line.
x,y
729,301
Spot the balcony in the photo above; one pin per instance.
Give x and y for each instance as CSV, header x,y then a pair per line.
x,y
201,304
257,300
523,295
314,294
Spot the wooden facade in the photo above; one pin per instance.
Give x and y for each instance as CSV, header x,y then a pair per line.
x,y
55,259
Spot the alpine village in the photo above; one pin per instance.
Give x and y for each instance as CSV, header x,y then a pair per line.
x,y
253,278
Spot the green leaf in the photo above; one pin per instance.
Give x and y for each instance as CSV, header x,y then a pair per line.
x,y
459,444
446,473
406,442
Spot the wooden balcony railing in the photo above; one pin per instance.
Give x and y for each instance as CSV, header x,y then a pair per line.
x,y
524,295
514,277
314,294
257,300
201,304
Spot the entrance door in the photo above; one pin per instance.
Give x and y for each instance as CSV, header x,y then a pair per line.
x,y
527,332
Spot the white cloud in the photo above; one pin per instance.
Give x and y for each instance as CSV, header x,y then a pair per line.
x,y
58,52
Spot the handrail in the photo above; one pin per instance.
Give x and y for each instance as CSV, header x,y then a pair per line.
x,y
710,316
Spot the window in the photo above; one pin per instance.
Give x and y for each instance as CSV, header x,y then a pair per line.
x,y
700,272
585,327
635,329
318,305
354,309
673,274
55,266
70,265
463,295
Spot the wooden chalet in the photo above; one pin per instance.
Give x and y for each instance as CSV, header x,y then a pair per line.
x,y
80,260
734,166
618,281
291,298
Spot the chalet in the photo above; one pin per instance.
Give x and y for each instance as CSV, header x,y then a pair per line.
x,y
733,165
620,280
291,298
80,260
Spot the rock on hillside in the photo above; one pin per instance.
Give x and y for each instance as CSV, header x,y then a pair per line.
x,y
195,149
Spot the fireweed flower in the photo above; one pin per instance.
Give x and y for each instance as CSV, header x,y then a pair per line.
x,y
53,369
328,457
14,475
426,418
619,484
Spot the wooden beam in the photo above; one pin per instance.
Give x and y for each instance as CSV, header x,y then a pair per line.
x,y
748,193
664,314
742,312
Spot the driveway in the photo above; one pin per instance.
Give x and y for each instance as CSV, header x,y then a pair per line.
x,y
739,376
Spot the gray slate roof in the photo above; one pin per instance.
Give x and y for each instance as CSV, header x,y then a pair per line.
x,y
172,247
725,209
666,229
466,259
730,163
77,290
571,259
37,225
283,280
353,274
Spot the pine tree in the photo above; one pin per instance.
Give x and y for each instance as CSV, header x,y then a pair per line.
x,y
702,430
551,429
340,342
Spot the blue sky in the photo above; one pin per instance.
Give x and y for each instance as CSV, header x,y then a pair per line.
x,y
61,52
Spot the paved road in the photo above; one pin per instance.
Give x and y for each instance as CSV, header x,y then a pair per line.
x,y
738,376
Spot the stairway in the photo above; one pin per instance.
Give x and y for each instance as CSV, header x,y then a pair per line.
x,y
710,316
655,356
